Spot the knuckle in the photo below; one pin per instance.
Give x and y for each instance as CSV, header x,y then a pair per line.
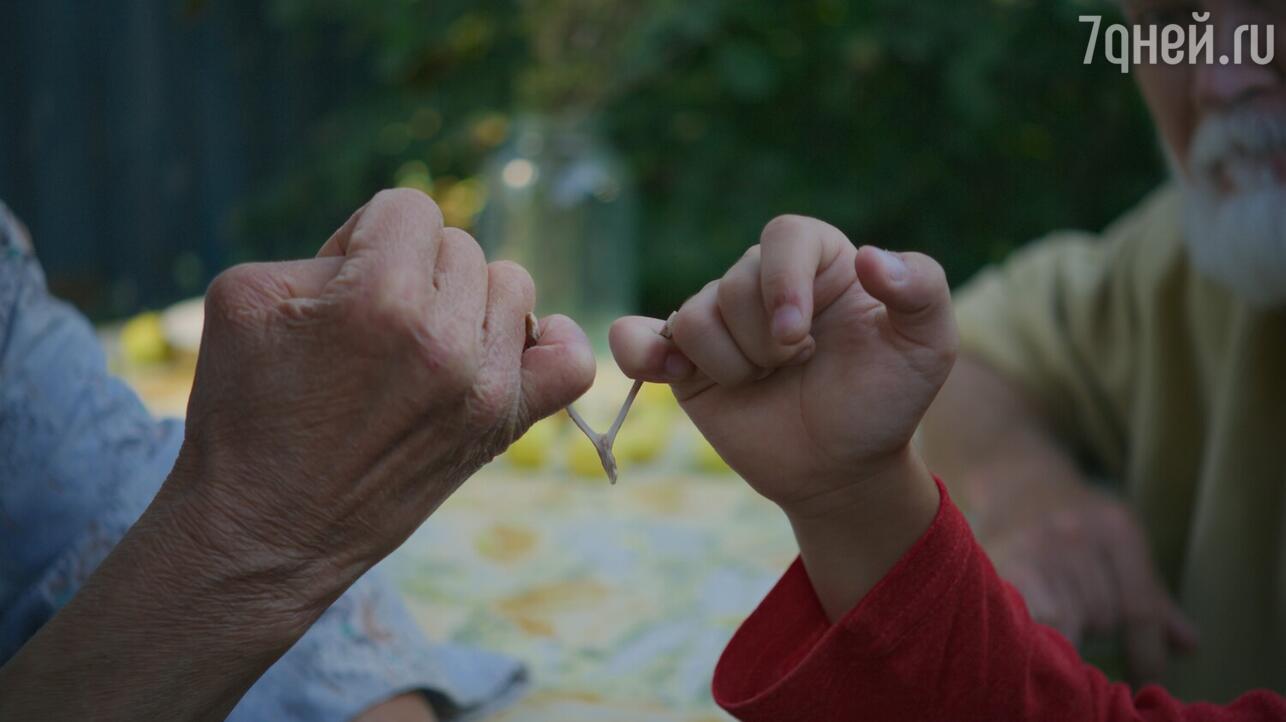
x,y
388,313
404,198
437,349
694,317
406,201
785,227
732,290
687,329
517,281
465,253
462,237
228,292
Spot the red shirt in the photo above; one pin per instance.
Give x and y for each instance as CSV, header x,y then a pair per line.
x,y
941,637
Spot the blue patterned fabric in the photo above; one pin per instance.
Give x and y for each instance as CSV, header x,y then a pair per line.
x,y
80,458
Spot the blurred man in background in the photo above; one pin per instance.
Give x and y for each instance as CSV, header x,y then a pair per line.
x,y
1151,357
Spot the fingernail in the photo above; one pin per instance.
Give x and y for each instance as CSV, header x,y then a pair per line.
x,y
894,266
787,321
677,366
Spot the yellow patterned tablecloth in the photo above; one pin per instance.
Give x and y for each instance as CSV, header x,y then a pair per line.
x,y
619,599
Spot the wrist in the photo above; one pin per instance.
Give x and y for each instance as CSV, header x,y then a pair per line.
x,y
851,537
851,490
183,557
230,542
166,627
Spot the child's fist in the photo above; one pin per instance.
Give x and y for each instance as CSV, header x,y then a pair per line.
x,y
809,364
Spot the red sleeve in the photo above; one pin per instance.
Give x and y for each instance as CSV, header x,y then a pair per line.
x,y
941,637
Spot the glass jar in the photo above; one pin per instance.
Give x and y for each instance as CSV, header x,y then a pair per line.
x,y
560,202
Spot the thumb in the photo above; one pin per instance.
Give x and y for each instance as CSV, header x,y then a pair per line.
x,y
305,278
914,291
259,285
557,370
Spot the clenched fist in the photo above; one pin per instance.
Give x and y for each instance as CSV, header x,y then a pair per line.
x,y
808,367
339,400
808,364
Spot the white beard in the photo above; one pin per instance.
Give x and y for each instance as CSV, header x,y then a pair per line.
x,y
1238,239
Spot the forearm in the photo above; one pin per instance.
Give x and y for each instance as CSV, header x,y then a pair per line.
x,y
941,614
166,628
849,540
992,445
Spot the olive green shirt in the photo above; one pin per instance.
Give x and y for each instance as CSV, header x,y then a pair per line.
x,y
1168,384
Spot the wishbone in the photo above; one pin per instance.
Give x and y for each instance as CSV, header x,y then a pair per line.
x,y
602,442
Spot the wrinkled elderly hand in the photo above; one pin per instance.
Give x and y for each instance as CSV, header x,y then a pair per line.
x,y
339,400
1082,564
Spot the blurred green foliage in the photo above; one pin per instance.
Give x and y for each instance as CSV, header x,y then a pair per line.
x,y
960,129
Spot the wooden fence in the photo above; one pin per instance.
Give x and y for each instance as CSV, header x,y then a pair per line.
x,y
130,130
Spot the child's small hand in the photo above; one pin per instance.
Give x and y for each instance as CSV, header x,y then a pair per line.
x,y
809,364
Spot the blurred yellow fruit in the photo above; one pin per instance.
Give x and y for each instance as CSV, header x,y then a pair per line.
x,y
143,340
643,436
533,450
582,457
708,460
656,398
